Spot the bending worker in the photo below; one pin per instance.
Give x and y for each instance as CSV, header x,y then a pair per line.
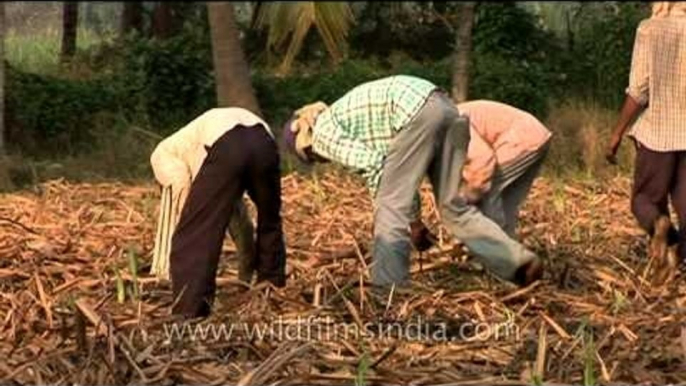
x,y
395,131
204,169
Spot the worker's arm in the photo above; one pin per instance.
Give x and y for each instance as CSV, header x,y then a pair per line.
x,y
331,142
169,166
636,94
478,169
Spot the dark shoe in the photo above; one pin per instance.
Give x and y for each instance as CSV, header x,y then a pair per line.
x,y
529,273
203,310
422,238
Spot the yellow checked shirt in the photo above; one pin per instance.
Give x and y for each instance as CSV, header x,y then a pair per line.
x,y
658,81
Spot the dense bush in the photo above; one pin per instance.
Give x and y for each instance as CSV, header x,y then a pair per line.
x,y
280,96
169,80
600,58
514,59
162,84
417,30
49,114
495,78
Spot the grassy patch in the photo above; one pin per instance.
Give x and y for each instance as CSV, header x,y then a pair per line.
x,y
39,52
117,154
580,133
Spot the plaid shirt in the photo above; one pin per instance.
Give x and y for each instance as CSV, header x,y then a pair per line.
x,y
357,129
658,80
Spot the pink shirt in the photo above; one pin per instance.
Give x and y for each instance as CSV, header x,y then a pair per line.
x,y
500,134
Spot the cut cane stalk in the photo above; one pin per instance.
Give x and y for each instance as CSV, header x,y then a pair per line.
x,y
121,291
133,267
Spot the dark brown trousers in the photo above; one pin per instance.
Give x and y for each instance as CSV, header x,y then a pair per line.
x,y
659,176
245,159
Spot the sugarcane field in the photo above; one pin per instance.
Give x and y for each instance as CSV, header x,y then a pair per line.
x,y
342,193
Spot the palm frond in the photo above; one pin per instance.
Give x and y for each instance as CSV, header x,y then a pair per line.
x,y
289,22
305,18
333,21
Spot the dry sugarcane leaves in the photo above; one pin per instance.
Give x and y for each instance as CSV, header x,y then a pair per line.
x,y
64,259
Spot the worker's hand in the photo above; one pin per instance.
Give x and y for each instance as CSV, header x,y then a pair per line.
x,y
470,194
422,238
612,148
307,115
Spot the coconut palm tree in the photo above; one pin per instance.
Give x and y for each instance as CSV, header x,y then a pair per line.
x,y
2,79
132,17
463,50
231,70
70,19
165,19
289,22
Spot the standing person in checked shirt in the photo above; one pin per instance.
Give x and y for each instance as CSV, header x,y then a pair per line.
x,y
657,97
394,131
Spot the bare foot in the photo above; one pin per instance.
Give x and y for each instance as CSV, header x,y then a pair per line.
x,y
662,258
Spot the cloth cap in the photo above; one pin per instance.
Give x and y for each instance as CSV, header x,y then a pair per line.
x,y
298,137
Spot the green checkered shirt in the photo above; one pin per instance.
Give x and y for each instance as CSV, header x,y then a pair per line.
x,y
357,129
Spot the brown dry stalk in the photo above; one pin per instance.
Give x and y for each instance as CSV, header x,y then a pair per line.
x,y
74,234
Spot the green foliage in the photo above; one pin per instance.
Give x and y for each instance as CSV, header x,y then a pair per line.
x,y
161,85
280,96
133,270
55,113
600,58
362,369
168,80
438,72
40,53
585,335
589,360
536,380
422,32
581,131
514,59
494,78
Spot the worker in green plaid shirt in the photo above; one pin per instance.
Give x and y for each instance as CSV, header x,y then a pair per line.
x,y
394,131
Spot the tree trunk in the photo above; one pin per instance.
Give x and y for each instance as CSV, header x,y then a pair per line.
x,y
463,51
70,19
132,17
255,13
6,183
163,26
2,80
231,71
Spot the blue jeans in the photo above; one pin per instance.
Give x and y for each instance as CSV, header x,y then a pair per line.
x,y
510,185
434,143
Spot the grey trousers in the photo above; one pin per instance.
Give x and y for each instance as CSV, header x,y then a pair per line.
x,y
434,143
510,185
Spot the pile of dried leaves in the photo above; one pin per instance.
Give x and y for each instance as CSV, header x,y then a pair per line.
x,y
77,304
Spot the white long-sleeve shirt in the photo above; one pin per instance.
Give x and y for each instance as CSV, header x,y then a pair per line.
x,y
176,162
178,158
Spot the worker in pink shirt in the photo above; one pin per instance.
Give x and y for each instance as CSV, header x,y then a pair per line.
x,y
505,154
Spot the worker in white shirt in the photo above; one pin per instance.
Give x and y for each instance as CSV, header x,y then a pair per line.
x,y
204,169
